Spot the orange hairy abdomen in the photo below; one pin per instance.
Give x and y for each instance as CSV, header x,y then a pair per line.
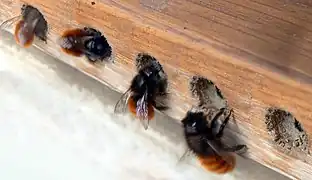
x,y
17,34
217,164
132,108
74,33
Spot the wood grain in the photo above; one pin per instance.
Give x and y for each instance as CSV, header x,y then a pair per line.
x,y
256,51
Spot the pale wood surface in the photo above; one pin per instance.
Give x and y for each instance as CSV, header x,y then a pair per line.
x,y
256,51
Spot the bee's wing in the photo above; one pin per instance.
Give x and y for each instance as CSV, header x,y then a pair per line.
x,y
5,24
215,147
185,155
142,111
121,104
218,150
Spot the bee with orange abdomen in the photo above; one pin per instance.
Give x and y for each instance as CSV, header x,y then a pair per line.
x,y
30,23
203,139
147,90
204,125
85,41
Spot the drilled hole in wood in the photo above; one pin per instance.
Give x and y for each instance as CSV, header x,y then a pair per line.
x,y
29,24
86,41
287,133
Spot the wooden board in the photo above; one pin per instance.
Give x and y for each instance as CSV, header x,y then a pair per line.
x,y
256,51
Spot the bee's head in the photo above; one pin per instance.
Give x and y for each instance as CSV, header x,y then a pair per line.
x,y
195,122
98,46
151,74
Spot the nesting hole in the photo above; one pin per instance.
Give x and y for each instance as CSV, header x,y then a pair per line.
x,y
286,131
207,93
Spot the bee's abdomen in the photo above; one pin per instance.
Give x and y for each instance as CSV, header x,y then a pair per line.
x,y
69,46
217,164
132,108
70,42
23,34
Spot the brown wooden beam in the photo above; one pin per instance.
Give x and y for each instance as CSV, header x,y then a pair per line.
x,y
257,52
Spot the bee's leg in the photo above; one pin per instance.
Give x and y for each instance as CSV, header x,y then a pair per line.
x,y
214,121
226,120
92,31
239,149
185,155
161,101
91,59
108,54
159,106
162,86
162,96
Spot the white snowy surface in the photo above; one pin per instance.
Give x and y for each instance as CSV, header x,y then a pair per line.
x,y
53,126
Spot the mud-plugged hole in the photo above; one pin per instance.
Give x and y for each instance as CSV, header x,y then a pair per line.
x,y
206,92
86,41
287,133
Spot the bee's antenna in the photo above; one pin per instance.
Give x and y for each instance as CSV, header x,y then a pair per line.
x,y
4,24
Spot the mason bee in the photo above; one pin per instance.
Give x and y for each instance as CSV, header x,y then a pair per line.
x,y
147,90
30,23
203,134
85,41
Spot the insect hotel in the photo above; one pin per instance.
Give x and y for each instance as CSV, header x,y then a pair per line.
x,y
254,56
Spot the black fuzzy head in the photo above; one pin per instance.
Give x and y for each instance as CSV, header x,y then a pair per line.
x,y
195,123
196,131
98,47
